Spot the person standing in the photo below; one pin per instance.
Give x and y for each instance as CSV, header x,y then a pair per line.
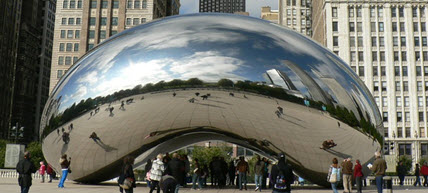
x,y
232,171
358,175
64,167
25,168
50,172
401,171
282,176
347,175
197,172
243,170
147,169
42,171
127,173
378,168
417,174
424,171
175,168
334,175
265,173
156,172
259,168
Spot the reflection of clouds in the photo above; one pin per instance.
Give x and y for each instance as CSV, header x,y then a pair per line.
x,y
90,78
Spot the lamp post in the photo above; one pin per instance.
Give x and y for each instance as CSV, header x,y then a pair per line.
x,y
17,131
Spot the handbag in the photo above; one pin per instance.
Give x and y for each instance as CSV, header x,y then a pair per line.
x,y
127,183
69,170
333,178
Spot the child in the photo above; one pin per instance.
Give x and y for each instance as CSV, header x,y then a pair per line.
x,y
42,171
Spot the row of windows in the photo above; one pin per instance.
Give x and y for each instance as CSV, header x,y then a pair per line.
x,y
104,4
68,47
102,34
103,21
71,4
399,117
137,4
380,11
135,21
302,2
359,26
66,60
70,34
71,21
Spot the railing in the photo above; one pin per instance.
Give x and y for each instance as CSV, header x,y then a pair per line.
x,y
408,180
11,173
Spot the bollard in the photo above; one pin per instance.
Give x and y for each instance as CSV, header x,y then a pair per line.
x,y
387,184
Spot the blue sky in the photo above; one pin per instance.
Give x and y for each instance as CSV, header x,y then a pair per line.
x,y
253,6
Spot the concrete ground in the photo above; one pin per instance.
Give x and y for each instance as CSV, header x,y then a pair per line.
x,y
10,185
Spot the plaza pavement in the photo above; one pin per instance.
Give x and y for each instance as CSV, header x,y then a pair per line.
x,y
10,185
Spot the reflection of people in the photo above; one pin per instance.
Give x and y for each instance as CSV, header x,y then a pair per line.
x,y
174,94
64,167
94,136
243,170
417,174
401,171
379,168
25,168
111,111
280,109
358,175
50,172
327,144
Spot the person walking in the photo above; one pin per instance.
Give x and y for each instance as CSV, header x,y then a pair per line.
x,y
379,167
65,164
243,170
282,176
347,175
50,172
424,172
358,175
175,168
259,168
42,171
197,172
156,172
417,174
265,173
147,169
25,168
334,175
401,171
127,173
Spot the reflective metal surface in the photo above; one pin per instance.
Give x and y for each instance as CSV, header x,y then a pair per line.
x,y
192,78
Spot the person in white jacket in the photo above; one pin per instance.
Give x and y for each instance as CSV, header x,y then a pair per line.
x,y
156,172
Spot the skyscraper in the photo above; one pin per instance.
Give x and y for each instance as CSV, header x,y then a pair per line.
x,y
81,25
296,14
385,43
222,6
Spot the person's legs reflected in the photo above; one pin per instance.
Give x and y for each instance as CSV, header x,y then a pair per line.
x,y
194,181
358,182
240,175
379,183
334,187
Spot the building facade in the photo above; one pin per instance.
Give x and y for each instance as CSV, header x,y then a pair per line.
x,y
10,12
222,6
385,43
81,25
268,14
296,14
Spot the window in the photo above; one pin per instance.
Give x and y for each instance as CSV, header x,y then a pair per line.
x,y
403,41
381,41
62,33
401,12
90,46
399,116
361,57
426,71
404,70
384,102
373,26
104,4
417,56
102,34
61,47
64,21
70,33
144,4
394,27
420,101
361,70
335,41
406,101
72,4
351,11
398,101
407,116
76,47
93,4
334,11
352,56
136,21
385,116
112,32
415,26
396,58
114,21
68,60
405,86
128,21
359,27
380,26
77,34
376,86
143,20
403,56
78,21
397,86
424,146
425,55
423,27
395,41
69,47
415,12
380,12
352,41
372,12
359,13
393,12
335,28
103,21
374,56
375,71
383,71
405,149
351,26
377,101
115,4
402,27
424,41
384,85
399,132
382,56
75,58
419,86
417,44
59,74
61,60
92,21
91,34
79,4
418,71
137,4
422,11
408,132
374,41
421,116
65,4
129,4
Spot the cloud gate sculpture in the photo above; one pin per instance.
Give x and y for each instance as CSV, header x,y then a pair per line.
x,y
185,79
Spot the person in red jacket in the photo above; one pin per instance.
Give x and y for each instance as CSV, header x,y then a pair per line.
x,y
42,171
358,175
424,172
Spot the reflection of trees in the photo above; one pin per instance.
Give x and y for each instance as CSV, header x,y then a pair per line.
x,y
84,106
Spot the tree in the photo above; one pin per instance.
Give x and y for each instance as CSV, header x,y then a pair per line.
x,y
35,149
2,152
205,154
407,162
194,81
225,83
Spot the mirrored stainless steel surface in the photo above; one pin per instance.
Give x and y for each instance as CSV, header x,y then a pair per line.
x,y
184,79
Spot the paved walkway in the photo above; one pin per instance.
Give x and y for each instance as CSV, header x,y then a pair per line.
x,y
10,185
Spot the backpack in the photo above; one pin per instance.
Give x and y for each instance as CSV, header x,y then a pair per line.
x,y
280,181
